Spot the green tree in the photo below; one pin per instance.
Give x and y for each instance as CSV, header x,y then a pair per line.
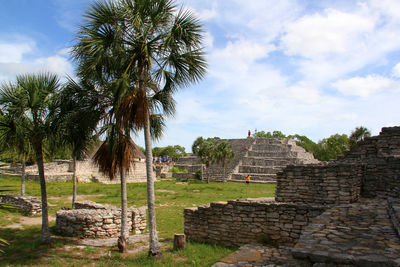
x,y
147,49
223,155
175,152
76,118
204,149
13,138
32,98
274,134
331,147
358,134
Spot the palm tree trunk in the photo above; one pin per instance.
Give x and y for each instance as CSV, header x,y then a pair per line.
x,y
123,239
74,193
23,175
45,215
154,250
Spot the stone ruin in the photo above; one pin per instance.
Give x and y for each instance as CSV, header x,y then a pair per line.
x,y
28,205
92,220
342,213
86,170
261,158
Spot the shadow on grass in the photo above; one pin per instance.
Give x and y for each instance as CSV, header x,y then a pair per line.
x,y
25,246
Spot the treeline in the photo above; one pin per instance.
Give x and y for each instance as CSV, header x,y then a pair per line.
x,y
326,149
175,152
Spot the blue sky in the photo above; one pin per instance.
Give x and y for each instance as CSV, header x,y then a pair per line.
x,y
314,68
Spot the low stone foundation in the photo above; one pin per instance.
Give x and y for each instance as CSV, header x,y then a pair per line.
x,y
28,205
92,220
239,222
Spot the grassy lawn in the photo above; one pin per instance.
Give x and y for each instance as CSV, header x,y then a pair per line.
x,y
171,199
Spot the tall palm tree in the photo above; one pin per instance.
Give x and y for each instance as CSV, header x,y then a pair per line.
x,y
115,155
76,117
224,154
147,49
32,97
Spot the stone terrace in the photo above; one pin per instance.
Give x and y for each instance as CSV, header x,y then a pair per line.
x,y
357,223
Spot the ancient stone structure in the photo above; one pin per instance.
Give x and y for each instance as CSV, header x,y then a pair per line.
x,y
86,170
92,220
240,222
342,213
28,205
328,184
261,158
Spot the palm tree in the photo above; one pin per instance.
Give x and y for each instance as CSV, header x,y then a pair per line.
x,y
32,98
115,155
12,137
359,134
147,49
77,115
224,154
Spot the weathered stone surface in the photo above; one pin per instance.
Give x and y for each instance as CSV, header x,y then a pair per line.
x,y
28,205
204,224
358,234
94,220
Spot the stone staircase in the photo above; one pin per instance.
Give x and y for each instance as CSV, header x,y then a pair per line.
x,y
266,157
261,158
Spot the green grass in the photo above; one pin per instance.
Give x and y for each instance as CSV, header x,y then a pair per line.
x,y
171,199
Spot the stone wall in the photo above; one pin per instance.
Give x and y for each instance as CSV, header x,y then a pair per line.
x,y
382,178
234,223
328,184
28,205
92,220
86,170
162,170
394,213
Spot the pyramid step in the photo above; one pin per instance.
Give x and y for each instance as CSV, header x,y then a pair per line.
x,y
259,141
256,161
258,169
270,148
272,154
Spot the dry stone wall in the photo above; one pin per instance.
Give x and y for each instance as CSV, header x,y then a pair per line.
x,y
92,220
394,213
86,170
329,184
28,205
234,223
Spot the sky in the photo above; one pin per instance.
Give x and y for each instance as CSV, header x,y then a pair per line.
x,y
307,67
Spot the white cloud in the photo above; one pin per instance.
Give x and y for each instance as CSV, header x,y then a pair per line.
x,y
333,32
13,52
14,60
243,51
366,86
396,70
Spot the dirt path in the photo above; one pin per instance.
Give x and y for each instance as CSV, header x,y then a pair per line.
x,y
28,221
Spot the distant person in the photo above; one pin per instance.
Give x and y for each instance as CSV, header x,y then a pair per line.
x,y
249,133
247,179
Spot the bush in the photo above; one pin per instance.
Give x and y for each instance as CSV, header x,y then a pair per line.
x,y
178,170
197,175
